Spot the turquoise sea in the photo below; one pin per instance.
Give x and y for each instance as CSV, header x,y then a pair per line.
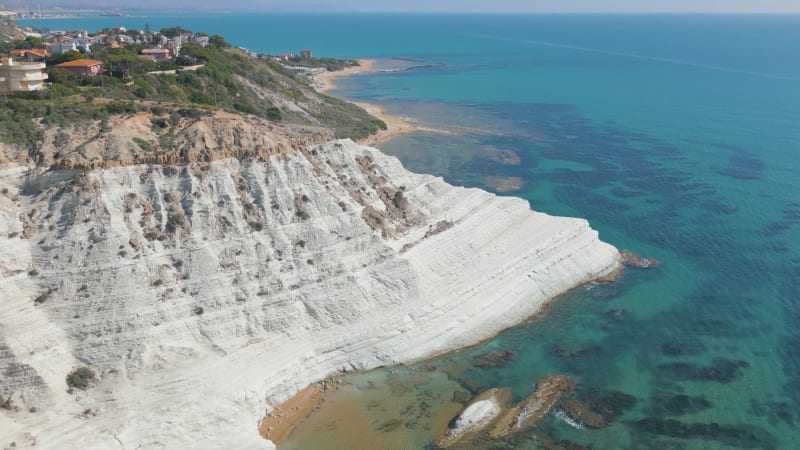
x,y
676,136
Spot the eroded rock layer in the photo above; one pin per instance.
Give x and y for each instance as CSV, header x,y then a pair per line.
x,y
202,293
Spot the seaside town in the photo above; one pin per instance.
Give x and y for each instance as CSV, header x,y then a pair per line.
x,y
29,58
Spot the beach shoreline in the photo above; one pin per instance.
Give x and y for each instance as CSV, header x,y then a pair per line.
x,y
396,126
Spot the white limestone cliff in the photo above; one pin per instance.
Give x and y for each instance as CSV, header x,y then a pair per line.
x,y
201,294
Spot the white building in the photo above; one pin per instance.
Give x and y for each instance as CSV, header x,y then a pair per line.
x,y
21,77
62,47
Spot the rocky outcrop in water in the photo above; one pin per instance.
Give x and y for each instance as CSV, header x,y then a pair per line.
x,y
476,416
529,412
634,260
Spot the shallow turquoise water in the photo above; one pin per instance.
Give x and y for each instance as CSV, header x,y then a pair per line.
x,y
678,137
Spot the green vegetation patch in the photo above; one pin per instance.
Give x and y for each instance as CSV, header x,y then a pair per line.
x,y
80,378
200,78
330,64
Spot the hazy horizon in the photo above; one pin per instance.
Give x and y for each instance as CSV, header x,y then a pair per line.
x,y
443,6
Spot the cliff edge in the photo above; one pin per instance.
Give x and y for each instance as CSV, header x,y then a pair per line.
x,y
203,292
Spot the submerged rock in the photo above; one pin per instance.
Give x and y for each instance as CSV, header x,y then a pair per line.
x,y
564,352
633,260
740,435
581,412
493,360
721,370
549,443
612,404
682,404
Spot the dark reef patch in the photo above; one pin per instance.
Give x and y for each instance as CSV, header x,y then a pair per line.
x,y
774,411
650,191
742,436
719,207
743,166
688,347
720,371
611,404
493,360
678,405
790,217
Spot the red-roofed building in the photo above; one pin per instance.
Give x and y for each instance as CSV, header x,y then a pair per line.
x,y
305,53
82,67
31,54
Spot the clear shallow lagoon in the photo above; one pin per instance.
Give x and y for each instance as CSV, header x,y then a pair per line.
x,y
677,137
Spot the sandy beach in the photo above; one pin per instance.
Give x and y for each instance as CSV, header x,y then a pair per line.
x,y
326,81
282,419
395,126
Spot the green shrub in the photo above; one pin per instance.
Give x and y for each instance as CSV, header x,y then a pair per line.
x,y
143,144
80,378
274,113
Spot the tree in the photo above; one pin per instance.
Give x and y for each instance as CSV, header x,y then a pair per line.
x,y
125,63
59,58
35,41
218,41
22,45
172,32
61,76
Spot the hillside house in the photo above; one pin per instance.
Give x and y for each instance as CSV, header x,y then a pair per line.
x,y
31,54
158,54
85,43
82,67
62,47
305,53
175,46
21,76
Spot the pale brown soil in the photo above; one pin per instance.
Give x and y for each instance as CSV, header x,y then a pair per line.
x,y
282,419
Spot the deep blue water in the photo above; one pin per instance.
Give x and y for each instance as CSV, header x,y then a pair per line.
x,y
677,136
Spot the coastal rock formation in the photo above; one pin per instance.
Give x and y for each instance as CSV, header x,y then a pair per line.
x,y
200,294
634,260
479,414
529,412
